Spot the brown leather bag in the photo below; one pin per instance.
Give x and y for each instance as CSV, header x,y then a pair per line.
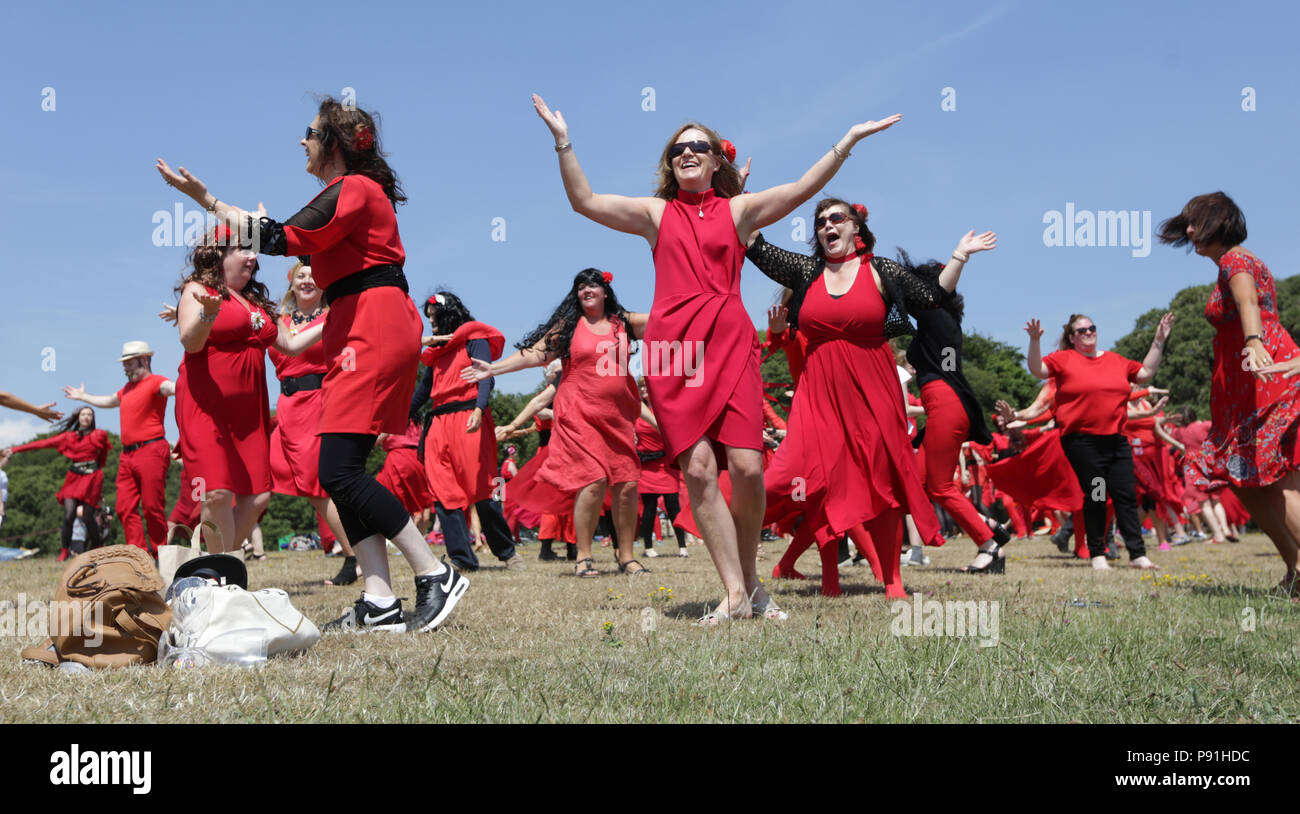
x,y
107,612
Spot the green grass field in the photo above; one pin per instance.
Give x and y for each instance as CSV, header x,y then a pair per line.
x,y
541,645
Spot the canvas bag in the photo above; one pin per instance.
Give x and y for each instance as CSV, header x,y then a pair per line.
x,y
224,619
171,557
109,611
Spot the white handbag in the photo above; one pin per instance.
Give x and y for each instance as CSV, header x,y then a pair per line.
x,y
231,624
171,557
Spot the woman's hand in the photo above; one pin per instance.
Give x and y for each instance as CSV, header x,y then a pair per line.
x,y
1288,369
1164,328
554,120
1160,404
1257,360
860,131
211,303
1035,330
183,180
75,393
436,339
475,420
477,371
777,320
971,242
744,173
1005,410
168,314
503,433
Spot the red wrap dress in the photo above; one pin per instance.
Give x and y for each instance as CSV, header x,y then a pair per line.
x,y
295,446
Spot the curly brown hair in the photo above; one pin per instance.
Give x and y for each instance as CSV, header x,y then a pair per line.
x,y
356,133
204,264
726,181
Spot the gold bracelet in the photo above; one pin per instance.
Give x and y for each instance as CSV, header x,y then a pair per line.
x,y
212,208
568,145
835,148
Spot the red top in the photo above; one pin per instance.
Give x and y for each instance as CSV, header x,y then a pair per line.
x,y
309,361
701,350
407,440
361,234
447,361
93,446
143,409
1091,392
1142,429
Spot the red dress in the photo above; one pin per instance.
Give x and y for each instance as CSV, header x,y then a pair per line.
x,y
295,446
846,457
701,350
1252,439
596,406
78,448
221,403
658,476
403,474
372,339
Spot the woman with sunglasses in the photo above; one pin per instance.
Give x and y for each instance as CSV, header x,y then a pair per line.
x,y
847,460
1091,404
592,448
372,339
702,368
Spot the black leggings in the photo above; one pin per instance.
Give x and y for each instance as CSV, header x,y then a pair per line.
x,y
69,520
650,515
1104,466
365,507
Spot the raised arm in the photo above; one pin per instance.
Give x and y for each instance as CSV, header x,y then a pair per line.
x,y
1147,412
637,216
1035,357
636,324
1164,435
1152,361
534,406
969,244
753,212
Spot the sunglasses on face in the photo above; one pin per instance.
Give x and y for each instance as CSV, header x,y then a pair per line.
x,y
696,147
1090,329
835,217
312,131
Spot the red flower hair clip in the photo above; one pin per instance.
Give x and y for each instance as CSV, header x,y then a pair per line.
x,y
221,235
729,150
607,277
861,210
364,139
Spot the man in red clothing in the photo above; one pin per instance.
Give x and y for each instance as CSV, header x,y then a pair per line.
x,y
142,469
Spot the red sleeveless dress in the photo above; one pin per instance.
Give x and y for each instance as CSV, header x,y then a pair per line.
x,y
295,446
596,405
701,350
846,457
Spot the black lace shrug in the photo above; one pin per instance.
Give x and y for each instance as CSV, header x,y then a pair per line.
x,y
903,290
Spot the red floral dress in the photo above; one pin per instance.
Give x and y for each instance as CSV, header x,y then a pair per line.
x,y
1252,440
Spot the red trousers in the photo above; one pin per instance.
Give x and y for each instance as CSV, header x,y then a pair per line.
x,y
142,481
946,427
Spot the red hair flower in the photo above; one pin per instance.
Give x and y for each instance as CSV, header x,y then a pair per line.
x,y
221,235
729,150
861,210
607,277
363,140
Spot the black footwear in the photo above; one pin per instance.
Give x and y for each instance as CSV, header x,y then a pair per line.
x,y
622,567
571,551
546,554
1112,551
998,565
1001,535
435,596
767,536
347,573
364,617
1062,540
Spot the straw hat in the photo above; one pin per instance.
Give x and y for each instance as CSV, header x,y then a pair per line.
x,y
130,350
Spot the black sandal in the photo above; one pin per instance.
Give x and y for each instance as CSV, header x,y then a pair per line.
x,y
585,571
622,567
347,573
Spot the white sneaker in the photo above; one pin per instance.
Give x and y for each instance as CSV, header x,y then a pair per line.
x,y
916,556
650,552
681,552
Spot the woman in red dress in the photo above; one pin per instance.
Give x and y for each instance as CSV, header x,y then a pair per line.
x,y
658,479
295,446
372,339
403,472
87,449
1252,447
460,443
592,448
701,363
846,459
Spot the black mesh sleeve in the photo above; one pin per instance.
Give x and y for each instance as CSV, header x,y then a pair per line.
x,y
790,269
919,293
313,216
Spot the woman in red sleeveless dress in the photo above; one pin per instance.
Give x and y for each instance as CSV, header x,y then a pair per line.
x,y
1253,446
701,361
592,447
87,449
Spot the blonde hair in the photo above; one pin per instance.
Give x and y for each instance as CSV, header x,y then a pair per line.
x,y
289,302
726,181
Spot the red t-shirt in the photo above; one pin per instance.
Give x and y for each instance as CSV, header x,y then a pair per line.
x,y
1091,392
143,409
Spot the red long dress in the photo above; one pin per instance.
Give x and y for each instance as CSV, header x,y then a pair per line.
x,y
658,476
596,406
701,350
1253,435
460,465
221,403
93,446
403,474
295,446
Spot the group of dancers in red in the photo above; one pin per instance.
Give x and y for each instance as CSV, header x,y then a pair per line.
x,y
347,341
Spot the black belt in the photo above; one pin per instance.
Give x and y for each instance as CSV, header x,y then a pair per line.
x,y
374,277
454,407
134,447
84,467
647,457
297,384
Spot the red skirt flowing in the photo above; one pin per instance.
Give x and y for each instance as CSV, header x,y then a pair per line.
x,y
1040,476
403,475
460,465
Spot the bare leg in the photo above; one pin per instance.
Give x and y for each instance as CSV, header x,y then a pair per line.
x,y
248,508
624,503
748,502
587,505
326,509
219,510
718,527
1269,507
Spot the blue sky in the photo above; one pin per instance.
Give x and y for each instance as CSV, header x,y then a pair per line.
x,y
1106,107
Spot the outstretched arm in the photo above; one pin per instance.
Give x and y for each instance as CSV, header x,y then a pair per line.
x,y
538,402
536,356
969,244
44,411
80,394
1035,361
292,345
1152,361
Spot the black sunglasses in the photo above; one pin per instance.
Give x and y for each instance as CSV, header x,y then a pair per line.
x,y
1090,329
312,131
835,217
697,147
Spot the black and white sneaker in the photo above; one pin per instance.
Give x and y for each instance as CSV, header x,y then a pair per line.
x,y
364,617
435,596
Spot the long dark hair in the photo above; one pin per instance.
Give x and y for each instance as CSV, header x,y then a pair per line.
x,y
72,424
1216,218
205,262
448,315
954,304
356,133
558,329
859,218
